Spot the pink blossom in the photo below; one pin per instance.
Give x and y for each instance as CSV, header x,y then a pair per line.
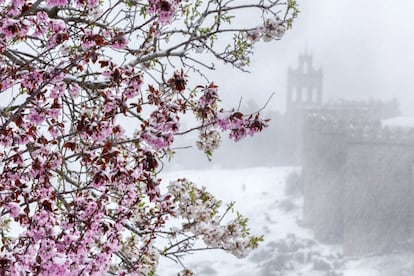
x,y
165,9
131,93
18,3
109,106
92,3
56,39
54,131
36,117
32,79
240,125
209,97
57,91
57,77
223,123
6,83
103,131
42,17
42,217
14,209
54,113
119,42
12,28
58,3
58,25
74,90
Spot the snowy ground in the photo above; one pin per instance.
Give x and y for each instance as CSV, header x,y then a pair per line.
x,y
289,249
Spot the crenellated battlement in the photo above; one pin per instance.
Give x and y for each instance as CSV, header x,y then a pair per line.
x,y
381,135
360,131
353,111
357,120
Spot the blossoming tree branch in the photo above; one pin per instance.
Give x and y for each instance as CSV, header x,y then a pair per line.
x,y
92,95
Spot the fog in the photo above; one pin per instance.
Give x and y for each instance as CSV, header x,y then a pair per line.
x,y
365,52
352,156
363,47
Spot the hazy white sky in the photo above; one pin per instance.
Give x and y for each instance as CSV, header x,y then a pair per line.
x,y
364,47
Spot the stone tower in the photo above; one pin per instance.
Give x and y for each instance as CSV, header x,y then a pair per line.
x,y
304,91
304,85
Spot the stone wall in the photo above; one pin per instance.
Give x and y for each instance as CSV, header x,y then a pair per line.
x,y
378,195
358,180
323,174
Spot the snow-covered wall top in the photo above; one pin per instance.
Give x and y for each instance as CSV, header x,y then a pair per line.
x,y
399,122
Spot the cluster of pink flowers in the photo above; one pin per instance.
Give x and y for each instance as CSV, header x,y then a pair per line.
x,y
164,9
79,3
84,190
133,85
241,125
159,131
207,103
12,28
270,30
36,117
238,124
57,3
